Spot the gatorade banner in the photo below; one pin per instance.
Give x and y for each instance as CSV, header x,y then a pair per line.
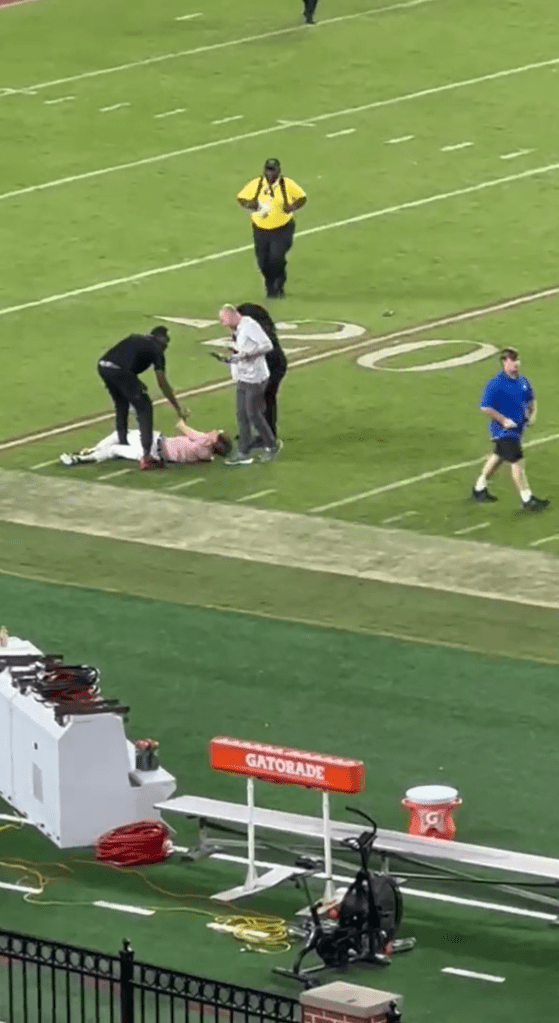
x,y
287,766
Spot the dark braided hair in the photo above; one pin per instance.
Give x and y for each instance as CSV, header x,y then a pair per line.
x,y
262,316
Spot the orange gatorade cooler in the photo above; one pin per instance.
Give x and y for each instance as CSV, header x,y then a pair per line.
x,y
431,809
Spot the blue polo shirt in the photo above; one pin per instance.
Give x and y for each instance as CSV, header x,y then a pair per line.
x,y
509,396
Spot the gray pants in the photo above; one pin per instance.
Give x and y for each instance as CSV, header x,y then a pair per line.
x,y
250,413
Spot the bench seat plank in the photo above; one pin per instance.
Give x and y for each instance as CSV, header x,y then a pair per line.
x,y
389,842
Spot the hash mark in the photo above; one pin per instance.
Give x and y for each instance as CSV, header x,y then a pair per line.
x,y
346,131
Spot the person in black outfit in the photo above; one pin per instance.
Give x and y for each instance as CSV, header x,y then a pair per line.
x,y
277,363
308,10
119,369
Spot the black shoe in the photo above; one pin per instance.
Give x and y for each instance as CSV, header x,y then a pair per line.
x,y
535,503
483,495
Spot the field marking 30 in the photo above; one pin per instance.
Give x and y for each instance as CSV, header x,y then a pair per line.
x,y
413,204
279,125
444,321
146,62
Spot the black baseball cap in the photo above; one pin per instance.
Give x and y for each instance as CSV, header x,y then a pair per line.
x,y
272,164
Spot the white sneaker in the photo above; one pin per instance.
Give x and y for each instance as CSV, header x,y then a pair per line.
x,y
69,459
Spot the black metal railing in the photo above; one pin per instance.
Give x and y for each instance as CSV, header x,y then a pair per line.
x,y
48,982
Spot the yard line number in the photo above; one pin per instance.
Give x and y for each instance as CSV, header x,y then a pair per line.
x,y
299,335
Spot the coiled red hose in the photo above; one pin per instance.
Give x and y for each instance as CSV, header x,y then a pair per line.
x,y
135,845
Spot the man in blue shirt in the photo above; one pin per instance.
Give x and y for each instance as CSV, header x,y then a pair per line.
x,y
508,400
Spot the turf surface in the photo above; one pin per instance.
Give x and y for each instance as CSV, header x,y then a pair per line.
x,y
430,235
412,712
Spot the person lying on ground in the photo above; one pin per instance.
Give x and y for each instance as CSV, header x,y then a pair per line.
x,y
187,447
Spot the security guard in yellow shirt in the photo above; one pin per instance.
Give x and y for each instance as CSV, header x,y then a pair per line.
x,y
272,201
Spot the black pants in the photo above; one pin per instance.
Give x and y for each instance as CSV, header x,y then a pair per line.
x,y
310,7
125,389
278,368
277,364
271,248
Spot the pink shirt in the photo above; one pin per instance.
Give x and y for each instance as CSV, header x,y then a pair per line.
x,y
198,448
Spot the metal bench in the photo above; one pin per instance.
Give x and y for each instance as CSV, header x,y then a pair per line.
x,y
388,843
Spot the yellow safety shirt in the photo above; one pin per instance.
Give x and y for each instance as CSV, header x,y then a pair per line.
x,y
270,213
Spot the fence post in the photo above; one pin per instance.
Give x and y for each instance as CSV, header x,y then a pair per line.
x,y
126,956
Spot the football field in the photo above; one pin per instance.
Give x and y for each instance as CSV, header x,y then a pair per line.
x,y
348,596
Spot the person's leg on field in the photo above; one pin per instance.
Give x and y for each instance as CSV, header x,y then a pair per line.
x,y
277,374
278,369
262,252
256,413
243,417
281,242
144,414
241,455
132,451
101,452
138,397
480,491
111,380
136,393
270,411
520,480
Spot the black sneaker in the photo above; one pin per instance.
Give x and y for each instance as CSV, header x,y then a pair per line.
x,y
535,503
483,495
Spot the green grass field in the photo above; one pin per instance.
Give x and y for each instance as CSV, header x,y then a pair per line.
x,y
423,134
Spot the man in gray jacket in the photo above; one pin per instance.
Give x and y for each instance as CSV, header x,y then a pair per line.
x,y
249,369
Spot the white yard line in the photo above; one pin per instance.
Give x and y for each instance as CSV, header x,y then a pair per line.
x,y
14,3
471,529
457,900
402,138
398,484
459,145
111,475
187,483
519,152
468,314
252,497
344,131
43,465
397,518
115,106
212,47
226,120
61,99
276,126
544,539
295,124
188,17
20,888
212,257
171,113
124,908
473,975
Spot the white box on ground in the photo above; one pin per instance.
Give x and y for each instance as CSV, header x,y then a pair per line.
x,y
74,780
